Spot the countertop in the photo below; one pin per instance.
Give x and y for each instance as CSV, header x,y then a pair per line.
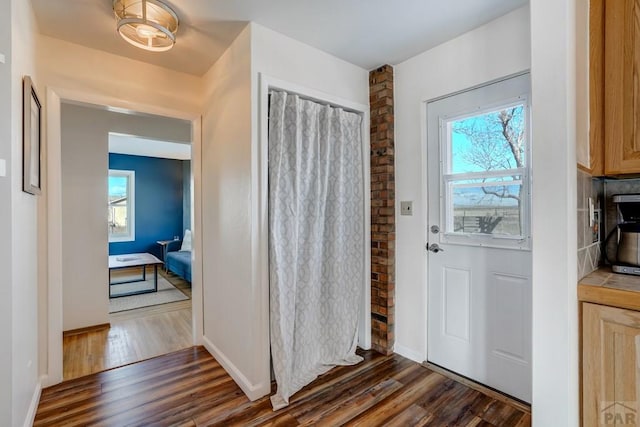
x,y
608,288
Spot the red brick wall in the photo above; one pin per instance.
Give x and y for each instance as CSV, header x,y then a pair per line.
x,y
383,228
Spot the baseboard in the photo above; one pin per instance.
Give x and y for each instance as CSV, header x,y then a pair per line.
x,y
86,329
408,353
33,406
253,391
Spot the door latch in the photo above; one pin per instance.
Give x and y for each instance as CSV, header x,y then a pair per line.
x,y
434,248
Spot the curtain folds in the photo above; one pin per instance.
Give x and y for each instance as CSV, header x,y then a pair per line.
x,y
316,239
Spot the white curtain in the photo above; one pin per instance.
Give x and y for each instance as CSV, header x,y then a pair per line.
x,y
316,239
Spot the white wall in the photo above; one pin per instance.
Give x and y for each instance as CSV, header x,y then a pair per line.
x,y
24,235
233,291
6,147
287,59
64,65
85,162
495,50
85,248
229,320
555,305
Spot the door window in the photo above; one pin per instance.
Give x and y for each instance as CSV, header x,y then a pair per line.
x,y
485,175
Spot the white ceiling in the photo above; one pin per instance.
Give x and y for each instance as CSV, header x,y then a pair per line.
x,y
137,146
367,33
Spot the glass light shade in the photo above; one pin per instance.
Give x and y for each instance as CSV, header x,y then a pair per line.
x,y
147,24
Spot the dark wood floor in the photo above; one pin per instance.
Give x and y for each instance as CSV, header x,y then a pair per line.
x,y
189,388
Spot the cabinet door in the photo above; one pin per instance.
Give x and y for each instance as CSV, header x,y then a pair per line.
x,y
622,86
611,370
590,86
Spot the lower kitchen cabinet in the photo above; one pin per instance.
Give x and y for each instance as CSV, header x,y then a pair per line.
x,y
610,366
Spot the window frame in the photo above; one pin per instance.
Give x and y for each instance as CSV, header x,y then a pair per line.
x,y
448,236
130,236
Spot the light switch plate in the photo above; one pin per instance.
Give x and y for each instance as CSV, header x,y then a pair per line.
x,y
3,168
2,59
406,208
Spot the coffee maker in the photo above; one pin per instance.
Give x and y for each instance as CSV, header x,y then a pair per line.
x,y
627,259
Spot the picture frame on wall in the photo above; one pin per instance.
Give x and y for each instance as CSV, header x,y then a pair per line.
x,y
31,138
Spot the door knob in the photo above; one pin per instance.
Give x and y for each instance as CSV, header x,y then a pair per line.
x,y
434,248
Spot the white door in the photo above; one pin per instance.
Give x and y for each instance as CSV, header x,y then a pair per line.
x,y
479,262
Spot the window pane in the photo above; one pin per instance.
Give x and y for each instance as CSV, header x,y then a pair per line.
x,y
118,205
490,141
487,209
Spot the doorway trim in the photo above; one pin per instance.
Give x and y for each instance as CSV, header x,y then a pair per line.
x,y
55,97
261,208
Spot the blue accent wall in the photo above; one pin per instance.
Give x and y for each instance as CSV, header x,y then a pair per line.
x,y
158,202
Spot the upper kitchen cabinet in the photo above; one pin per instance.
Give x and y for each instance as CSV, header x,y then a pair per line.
x,y
621,84
590,86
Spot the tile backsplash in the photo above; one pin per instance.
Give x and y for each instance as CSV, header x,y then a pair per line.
x,y
589,235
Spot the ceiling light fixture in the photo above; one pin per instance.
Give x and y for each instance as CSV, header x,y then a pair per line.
x,y
147,24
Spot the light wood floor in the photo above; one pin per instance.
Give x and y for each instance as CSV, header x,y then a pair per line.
x,y
134,335
189,388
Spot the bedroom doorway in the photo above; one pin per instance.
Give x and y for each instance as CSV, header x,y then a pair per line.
x,y
148,330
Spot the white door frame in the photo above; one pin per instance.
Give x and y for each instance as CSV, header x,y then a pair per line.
x,y
261,208
55,96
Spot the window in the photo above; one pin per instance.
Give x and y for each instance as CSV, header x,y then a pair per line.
x,y
485,176
121,206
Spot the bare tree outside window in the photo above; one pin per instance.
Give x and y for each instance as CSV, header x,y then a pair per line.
x,y
487,201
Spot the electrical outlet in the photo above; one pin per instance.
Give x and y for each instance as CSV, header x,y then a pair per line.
x,y
406,208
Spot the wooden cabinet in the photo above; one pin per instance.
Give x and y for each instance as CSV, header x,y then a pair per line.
x,y
622,86
590,86
613,61
608,134
610,365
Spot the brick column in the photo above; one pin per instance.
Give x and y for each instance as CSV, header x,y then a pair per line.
x,y
383,229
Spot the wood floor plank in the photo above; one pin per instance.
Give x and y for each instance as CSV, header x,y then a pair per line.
x,y
190,388
134,335
342,412
399,401
414,415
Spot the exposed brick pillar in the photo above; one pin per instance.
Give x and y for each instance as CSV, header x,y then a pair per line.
x,y
383,228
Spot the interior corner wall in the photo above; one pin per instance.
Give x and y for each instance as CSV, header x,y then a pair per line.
x,y
229,314
23,238
85,164
497,49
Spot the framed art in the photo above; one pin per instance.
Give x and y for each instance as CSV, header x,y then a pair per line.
x,y
31,138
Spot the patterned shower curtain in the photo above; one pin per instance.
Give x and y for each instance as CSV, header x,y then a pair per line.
x,y
316,239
